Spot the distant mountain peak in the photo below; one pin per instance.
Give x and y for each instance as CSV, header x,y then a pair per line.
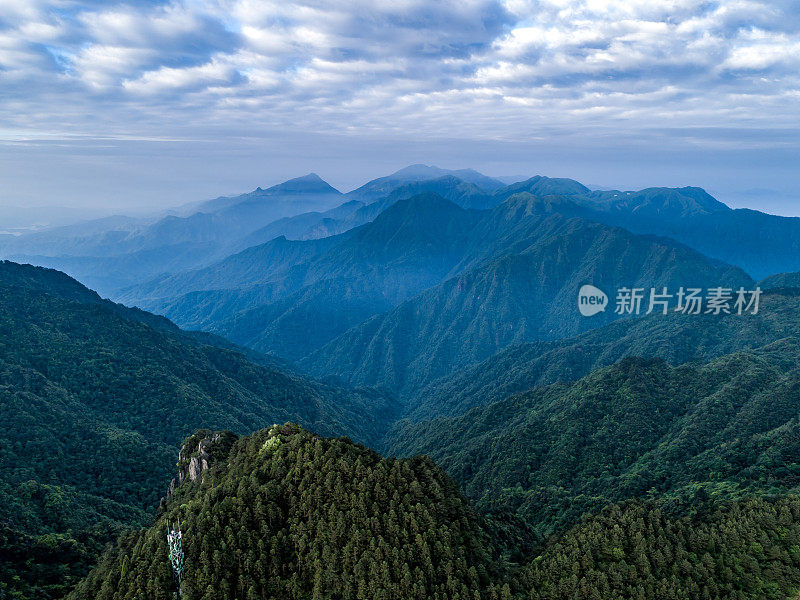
x,y
309,177
381,187
419,169
540,185
427,214
677,202
310,183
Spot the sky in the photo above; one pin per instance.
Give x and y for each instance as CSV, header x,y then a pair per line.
x,y
143,105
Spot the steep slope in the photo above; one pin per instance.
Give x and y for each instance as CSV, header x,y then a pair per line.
x,y
258,264
759,243
287,514
410,247
676,338
639,428
295,325
284,514
82,378
415,242
528,293
307,226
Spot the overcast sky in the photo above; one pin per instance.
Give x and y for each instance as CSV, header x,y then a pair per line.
x,y
150,104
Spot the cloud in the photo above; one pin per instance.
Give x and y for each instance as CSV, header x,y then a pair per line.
x,y
167,78
477,69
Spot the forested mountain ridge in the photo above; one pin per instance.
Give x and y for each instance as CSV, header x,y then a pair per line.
x,y
676,338
82,378
426,217
286,514
640,428
730,434
458,296
456,191
253,266
744,550
291,515
528,293
305,293
327,287
759,243
781,280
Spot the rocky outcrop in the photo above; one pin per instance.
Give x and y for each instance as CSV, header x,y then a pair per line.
x,y
198,453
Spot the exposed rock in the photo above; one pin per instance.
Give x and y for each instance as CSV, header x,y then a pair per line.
x,y
199,452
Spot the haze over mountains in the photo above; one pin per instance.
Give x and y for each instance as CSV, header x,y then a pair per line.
x,y
436,269
437,263
118,253
429,311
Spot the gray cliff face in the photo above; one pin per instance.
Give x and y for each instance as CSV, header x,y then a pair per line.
x,y
198,453
198,459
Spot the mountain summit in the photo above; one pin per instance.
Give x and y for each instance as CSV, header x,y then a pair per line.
x,y
288,514
311,183
382,186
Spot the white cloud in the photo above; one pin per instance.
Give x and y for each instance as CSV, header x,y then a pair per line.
x,y
759,50
168,79
480,68
102,67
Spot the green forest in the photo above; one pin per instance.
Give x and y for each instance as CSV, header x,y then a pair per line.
x,y
638,429
673,477
286,514
289,514
95,399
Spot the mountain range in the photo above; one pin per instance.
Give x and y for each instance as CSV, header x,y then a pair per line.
x,y
676,338
284,336
265,295
111,254
638,429
114,253
331,287
95,397
524,288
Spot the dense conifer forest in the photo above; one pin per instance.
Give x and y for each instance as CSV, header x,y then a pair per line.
x,y
291,515
286,514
